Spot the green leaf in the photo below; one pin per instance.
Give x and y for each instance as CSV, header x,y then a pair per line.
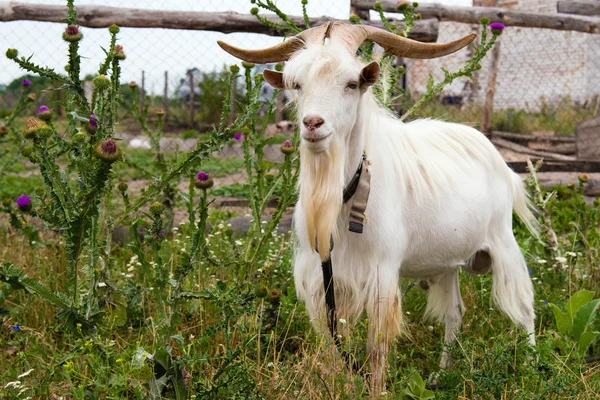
x,y
563,323
585,340
585,317
577,300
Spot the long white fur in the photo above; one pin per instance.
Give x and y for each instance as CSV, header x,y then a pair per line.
x,y
439,193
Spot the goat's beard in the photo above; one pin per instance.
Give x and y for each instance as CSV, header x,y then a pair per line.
x,y
321,191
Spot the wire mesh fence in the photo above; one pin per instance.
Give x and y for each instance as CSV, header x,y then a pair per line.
x,y
543,82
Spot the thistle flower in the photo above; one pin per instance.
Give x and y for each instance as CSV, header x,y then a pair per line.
x,y
159,111
238,136
24,203
497,28
377,6
36,128
118,52
25,82
132,84
583,178
26,151
247,65
114,29
79,137
92,125
157,208
72,34
31,97
101,82
287,147
123,187
279,67
234,69
254,10
108,151
44,113
3,130
161,233
261,292
12,53
203,181
485,20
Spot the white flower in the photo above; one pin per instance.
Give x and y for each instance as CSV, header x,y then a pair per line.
x,y
561,260
220,226
541,261
430,328
130,269
238,242
129,276
101,284
571,253
15,384
342,321
24,374
408,313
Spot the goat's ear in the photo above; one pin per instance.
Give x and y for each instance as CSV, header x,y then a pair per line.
x,y
369,74
274,78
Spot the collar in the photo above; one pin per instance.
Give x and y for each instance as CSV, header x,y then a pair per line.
x,y
359,187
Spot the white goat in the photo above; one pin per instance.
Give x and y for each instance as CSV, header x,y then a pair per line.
x,y
441,194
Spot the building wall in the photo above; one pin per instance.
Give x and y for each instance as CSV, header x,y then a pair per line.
x,y
537,67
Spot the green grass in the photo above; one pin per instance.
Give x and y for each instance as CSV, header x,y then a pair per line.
x,y
251,339
560,118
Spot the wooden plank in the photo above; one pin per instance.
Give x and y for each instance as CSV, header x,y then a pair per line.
x,y
579,7
526,150
557,166
509,17
588,139
532,138
96,16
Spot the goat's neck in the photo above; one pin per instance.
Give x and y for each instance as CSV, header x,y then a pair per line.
x,y
355,144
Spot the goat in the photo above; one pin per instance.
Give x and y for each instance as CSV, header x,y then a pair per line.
x,y
441,195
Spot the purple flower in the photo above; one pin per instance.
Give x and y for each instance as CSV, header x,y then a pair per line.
x,y
202,176
109,146
72,29
93,120
530,271
16,327
43,109
238,136
24,203
162,233
497,27
25,82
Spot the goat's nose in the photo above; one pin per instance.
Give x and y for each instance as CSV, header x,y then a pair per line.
x,y
312,122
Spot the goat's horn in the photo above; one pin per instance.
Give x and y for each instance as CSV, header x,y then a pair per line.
x,y
280,52
404,47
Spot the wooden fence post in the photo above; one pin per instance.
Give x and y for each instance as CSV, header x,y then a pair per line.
x,y
166,97
191,97
143,92
488,108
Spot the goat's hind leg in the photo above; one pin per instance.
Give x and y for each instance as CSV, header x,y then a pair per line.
x,y
445,304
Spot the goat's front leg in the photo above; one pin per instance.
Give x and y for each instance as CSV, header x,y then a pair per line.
x,y
384,309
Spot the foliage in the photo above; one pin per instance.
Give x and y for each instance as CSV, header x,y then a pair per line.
x,y
188,308
578,318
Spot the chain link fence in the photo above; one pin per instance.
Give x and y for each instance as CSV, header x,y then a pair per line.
x,y
543,82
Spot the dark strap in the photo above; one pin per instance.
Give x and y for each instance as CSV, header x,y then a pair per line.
x,y
360,188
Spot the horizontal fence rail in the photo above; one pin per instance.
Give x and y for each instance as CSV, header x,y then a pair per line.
x,y
509,17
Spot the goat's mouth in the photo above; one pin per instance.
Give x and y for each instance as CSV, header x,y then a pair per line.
x,y
315,139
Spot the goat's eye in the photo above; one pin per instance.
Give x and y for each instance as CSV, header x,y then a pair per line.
x,y
351,85
297,86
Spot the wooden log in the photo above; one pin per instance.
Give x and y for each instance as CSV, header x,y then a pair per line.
x,y
580,7
525,150
557,166
509,17
532,138
95,16
588,139
560,148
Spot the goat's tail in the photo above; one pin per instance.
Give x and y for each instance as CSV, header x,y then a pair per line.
x,y
524,207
